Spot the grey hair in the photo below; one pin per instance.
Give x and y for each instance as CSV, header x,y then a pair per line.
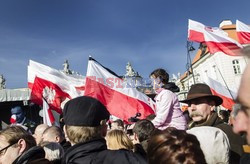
x,y
53,151
246,51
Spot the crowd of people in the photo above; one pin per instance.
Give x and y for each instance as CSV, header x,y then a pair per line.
x,y
87,135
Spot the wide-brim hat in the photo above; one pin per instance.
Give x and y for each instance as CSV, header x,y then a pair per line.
x,y
201,91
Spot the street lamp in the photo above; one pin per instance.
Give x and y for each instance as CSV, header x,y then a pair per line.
x,y
190,48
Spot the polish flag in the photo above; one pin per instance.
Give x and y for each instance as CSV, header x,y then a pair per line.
x,y
243,32
121,99
71,84
216,39
222,91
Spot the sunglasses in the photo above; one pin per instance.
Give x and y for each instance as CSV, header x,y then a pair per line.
x,y
5,148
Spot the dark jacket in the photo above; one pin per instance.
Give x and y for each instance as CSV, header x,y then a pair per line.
x,y
65,144
235,140
34,155
245,159
171,86
95,152
139,150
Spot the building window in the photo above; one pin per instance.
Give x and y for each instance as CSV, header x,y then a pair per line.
x,y
236,66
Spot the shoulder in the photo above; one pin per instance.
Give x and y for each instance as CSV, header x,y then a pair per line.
x,y
120,156
166,95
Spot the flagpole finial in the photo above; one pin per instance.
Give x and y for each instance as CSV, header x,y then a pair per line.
x,y
90,57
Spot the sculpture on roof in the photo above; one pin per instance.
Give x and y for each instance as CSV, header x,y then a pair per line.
x,y
66,67
2,82
130,71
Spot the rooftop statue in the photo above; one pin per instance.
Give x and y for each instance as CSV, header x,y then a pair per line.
x,y
66,67
2,82
130,71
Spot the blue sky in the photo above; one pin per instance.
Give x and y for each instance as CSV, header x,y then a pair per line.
x,y
148,33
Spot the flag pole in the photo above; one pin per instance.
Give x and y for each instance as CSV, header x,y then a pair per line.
x,y
225,82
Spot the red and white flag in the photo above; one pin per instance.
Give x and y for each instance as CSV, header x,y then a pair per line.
x,y
51,86
222,91
71,84
243,32
121,100
216,39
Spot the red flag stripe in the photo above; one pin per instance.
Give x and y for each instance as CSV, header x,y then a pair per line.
x,y
227,102
228,48
243,37
196,36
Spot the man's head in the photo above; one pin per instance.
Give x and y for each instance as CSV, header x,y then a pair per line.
x,y
39,132
14,141
242,118
53,134
18,114
143,130
85,119
201,102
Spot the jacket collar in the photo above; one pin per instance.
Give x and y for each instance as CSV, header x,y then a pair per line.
x,y
80,150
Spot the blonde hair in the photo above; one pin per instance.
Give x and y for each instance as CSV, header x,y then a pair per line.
x,y
117,139
79,134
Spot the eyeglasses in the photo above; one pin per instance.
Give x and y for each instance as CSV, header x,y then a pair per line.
x,y
5,148
239,107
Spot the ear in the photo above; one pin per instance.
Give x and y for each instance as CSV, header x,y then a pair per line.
x,y
22,145
136,137
58,139
104,130
212,105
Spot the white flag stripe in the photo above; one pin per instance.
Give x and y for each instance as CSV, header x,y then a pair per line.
x,y
196,26
46,119
242,27
219,88
77,81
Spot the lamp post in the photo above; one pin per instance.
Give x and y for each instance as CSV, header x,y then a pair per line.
x,y
190,48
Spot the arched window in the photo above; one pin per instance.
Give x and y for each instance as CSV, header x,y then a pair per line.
x,y
236,66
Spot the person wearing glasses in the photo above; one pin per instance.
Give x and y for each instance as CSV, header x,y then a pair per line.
x,y
17,146
241,122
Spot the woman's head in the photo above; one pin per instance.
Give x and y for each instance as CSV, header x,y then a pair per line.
x,y
117,139
174,146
